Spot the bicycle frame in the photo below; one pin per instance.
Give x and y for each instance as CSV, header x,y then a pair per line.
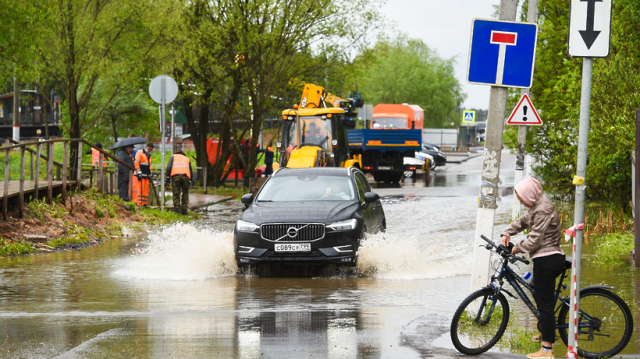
x,y
517,282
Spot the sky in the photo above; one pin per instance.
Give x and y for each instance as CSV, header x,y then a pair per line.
x,y
445,25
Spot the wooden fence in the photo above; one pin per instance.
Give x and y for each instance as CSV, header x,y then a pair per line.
x,y
105,177
61,180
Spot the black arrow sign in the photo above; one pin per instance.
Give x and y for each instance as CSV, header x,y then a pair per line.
x,y
589,36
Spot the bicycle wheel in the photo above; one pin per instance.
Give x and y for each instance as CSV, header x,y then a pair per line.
x,y
605,325
474,328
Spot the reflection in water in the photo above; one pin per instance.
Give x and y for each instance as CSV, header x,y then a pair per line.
x,y
444,179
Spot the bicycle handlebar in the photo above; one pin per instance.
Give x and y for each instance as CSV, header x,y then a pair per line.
x,y
503,251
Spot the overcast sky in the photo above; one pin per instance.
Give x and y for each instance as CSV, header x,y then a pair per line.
x,y
445,25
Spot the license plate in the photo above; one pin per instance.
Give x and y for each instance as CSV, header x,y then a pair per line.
x,y
384,167
293,247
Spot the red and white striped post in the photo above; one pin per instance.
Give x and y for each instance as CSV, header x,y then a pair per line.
x,y
572,347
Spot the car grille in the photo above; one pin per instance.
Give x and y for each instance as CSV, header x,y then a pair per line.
x,y
301,231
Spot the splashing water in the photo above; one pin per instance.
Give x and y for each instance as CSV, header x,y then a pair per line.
x,y
182,252
399,257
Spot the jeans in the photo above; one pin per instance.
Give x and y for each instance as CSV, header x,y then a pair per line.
x,y
545,271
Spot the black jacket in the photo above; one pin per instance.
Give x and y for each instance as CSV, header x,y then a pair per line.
x,y
125,157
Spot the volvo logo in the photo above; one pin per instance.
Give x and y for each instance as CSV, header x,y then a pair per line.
x,y
292,232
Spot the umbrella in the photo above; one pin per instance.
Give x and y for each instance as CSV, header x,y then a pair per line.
x,y
129,141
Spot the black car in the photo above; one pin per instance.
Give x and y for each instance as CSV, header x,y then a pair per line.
x,y
440,159
308,215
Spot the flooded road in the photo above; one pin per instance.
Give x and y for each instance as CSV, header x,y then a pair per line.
x,y
176,293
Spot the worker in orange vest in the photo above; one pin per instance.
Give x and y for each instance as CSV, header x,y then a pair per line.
x,y
95,155
180,172
140,185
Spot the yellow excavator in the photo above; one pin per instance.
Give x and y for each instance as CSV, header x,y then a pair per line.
x,y
313,132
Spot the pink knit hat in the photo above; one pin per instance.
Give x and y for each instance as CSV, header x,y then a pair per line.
x,y
529,191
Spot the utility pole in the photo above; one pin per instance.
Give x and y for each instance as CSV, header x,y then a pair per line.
x,y
16,110
532,16
489,191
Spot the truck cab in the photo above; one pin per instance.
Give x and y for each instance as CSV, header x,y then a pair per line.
x,y
314,137
393,134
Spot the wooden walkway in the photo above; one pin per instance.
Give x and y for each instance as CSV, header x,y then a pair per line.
x,y
29,187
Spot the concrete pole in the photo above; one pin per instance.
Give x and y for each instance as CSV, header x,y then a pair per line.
x,y
489,191
532,17
16,110
581,174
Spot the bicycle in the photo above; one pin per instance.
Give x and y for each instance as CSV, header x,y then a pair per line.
x,y
482,317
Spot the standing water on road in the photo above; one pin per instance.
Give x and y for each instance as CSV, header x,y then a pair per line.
x,y
176,292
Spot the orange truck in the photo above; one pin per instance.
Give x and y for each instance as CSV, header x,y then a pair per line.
x,y
394,132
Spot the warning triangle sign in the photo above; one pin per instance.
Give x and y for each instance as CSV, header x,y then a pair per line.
x,y
524,113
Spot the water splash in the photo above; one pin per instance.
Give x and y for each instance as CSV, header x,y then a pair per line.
x,y
398,257
181,252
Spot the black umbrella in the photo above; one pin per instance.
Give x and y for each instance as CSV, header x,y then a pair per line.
x,y
129,141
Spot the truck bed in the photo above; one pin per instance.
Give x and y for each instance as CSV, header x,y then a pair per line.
x,y
384,140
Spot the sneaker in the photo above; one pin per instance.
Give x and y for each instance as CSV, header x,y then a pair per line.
x,y
541,354
538,338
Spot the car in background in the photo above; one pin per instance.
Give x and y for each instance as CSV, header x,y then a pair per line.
x,y
439,158
415,165
308,216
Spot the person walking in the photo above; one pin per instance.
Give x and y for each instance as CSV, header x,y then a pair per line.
x,y
140,187
180,173
543,245
124,155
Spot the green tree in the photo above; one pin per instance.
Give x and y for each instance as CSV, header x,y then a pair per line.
x,y
86,41
250,53
556,92
406,70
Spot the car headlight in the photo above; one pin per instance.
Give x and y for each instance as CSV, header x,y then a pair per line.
x,y
244,226
343,225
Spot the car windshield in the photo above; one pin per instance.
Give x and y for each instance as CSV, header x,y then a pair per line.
x,y
307,188
389,122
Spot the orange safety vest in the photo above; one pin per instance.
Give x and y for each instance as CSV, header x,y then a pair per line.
x,y
142,163
180,165
95,158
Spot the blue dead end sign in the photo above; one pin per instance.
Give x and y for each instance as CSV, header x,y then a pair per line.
x,y
502,53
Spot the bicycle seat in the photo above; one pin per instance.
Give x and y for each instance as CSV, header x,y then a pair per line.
x,y
568,262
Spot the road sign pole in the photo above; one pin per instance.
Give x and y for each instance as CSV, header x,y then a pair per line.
x,y
581,173
162,125
532,16
489,191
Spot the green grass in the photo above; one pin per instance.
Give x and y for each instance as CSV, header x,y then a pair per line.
x,y
614,248
156,216
14,248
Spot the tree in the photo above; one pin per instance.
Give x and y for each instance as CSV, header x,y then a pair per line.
x,y
614,96
404,70
86,41
256,50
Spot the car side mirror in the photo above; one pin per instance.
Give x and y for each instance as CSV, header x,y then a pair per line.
x,y
371,197
247,198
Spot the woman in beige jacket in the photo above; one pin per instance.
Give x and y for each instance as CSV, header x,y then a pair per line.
x,y
543,245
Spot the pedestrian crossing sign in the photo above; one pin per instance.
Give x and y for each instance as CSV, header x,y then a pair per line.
x,y
468,116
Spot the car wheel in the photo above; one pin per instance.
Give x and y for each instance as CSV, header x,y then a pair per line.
x,y
432,165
